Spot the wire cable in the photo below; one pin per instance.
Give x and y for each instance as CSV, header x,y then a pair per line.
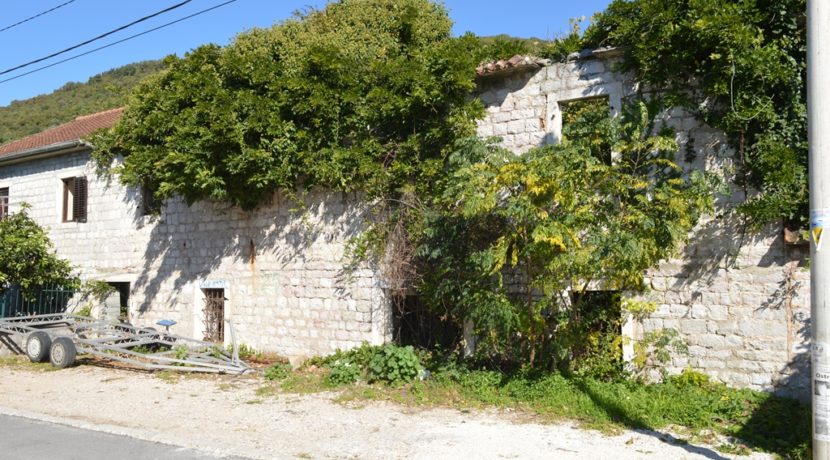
x,y
35,16
117,42
97,38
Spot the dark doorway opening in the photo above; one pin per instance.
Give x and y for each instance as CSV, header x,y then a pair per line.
x,y
123,289
415,324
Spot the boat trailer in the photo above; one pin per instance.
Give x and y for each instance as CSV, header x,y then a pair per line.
x,y
58,338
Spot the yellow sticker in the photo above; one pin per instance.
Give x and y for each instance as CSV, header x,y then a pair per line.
x,y
819,218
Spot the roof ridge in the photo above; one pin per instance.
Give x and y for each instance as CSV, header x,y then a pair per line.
x,y
84,117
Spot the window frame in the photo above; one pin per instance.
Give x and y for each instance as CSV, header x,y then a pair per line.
x,y
76,188
5,199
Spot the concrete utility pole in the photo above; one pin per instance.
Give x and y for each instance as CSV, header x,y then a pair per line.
x,y
818,119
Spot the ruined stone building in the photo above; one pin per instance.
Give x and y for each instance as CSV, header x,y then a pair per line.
x,y
740,299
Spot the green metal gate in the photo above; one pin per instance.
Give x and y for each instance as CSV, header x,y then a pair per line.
x,y
41,301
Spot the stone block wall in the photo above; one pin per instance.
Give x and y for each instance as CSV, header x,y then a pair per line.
x,y
282,266
740,299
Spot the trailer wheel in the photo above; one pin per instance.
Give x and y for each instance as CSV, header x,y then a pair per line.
x,y
62,353
37,346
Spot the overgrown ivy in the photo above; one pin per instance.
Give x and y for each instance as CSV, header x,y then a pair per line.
x,y
740,66
363,94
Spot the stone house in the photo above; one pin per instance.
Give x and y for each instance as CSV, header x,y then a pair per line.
x,y
740,299
276,272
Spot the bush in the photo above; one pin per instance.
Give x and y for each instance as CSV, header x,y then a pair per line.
x,y
343,372
690,378
27,258
390,363
394,365
246,352
279,371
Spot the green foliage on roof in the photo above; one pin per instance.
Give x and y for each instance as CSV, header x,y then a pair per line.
x,y
741,67
362,95
104,91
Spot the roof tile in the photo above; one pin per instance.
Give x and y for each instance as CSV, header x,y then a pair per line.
x,y
74,130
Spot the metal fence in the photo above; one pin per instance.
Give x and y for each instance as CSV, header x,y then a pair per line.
x,y
45,300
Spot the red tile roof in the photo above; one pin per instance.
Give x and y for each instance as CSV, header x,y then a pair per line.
x,y
67,132
506,66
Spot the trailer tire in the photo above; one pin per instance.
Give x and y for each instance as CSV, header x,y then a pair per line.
x,y
37,346
62,353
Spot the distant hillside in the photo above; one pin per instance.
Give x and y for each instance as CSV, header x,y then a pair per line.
x,y
101,92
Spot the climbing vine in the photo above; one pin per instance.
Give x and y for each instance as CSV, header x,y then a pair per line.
x,y
740,67
359,95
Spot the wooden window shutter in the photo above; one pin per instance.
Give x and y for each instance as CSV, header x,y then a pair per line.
x,y
80,199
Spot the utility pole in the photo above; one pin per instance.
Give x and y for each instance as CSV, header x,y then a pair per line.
x,y
818,122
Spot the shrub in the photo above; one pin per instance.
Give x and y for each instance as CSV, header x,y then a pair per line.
x,y
343,372
246,352
279,371
394,365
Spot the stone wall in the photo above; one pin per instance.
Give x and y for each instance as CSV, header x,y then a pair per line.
x,y
282,266
740,299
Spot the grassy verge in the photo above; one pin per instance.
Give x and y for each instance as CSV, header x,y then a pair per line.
x,y
733,420
689,404
22,362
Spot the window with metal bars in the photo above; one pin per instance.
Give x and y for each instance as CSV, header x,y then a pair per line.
x,y
4,203
75,199
214,315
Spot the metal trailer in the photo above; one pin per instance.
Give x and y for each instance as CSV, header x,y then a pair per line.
x,y
58,338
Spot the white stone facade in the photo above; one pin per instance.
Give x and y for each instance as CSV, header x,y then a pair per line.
x,y
740,299
282,266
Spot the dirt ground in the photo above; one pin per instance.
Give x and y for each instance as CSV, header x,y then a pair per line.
x,y
225,416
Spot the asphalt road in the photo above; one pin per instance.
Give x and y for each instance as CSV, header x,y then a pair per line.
x,y
27,439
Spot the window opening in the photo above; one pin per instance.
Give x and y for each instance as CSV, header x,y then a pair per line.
x,y
4,203
74,199
588,121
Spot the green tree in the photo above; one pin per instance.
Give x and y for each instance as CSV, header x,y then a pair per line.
x,y
512,237
740,66
363,94
28,258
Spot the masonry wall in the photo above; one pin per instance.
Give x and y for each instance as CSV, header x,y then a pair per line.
x,y
282,266
740,299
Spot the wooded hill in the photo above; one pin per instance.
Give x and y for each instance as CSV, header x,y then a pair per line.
x,y
104,91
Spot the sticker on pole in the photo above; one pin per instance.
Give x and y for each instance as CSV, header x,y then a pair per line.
x,y
819,220
821,391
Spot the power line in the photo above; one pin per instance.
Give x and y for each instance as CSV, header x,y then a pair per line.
x,y
119,41
97,38
35,16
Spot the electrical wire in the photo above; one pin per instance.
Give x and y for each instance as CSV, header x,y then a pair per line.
x,y
35,16
178,5
117,42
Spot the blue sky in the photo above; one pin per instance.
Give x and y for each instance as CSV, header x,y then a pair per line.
x,y
81,20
